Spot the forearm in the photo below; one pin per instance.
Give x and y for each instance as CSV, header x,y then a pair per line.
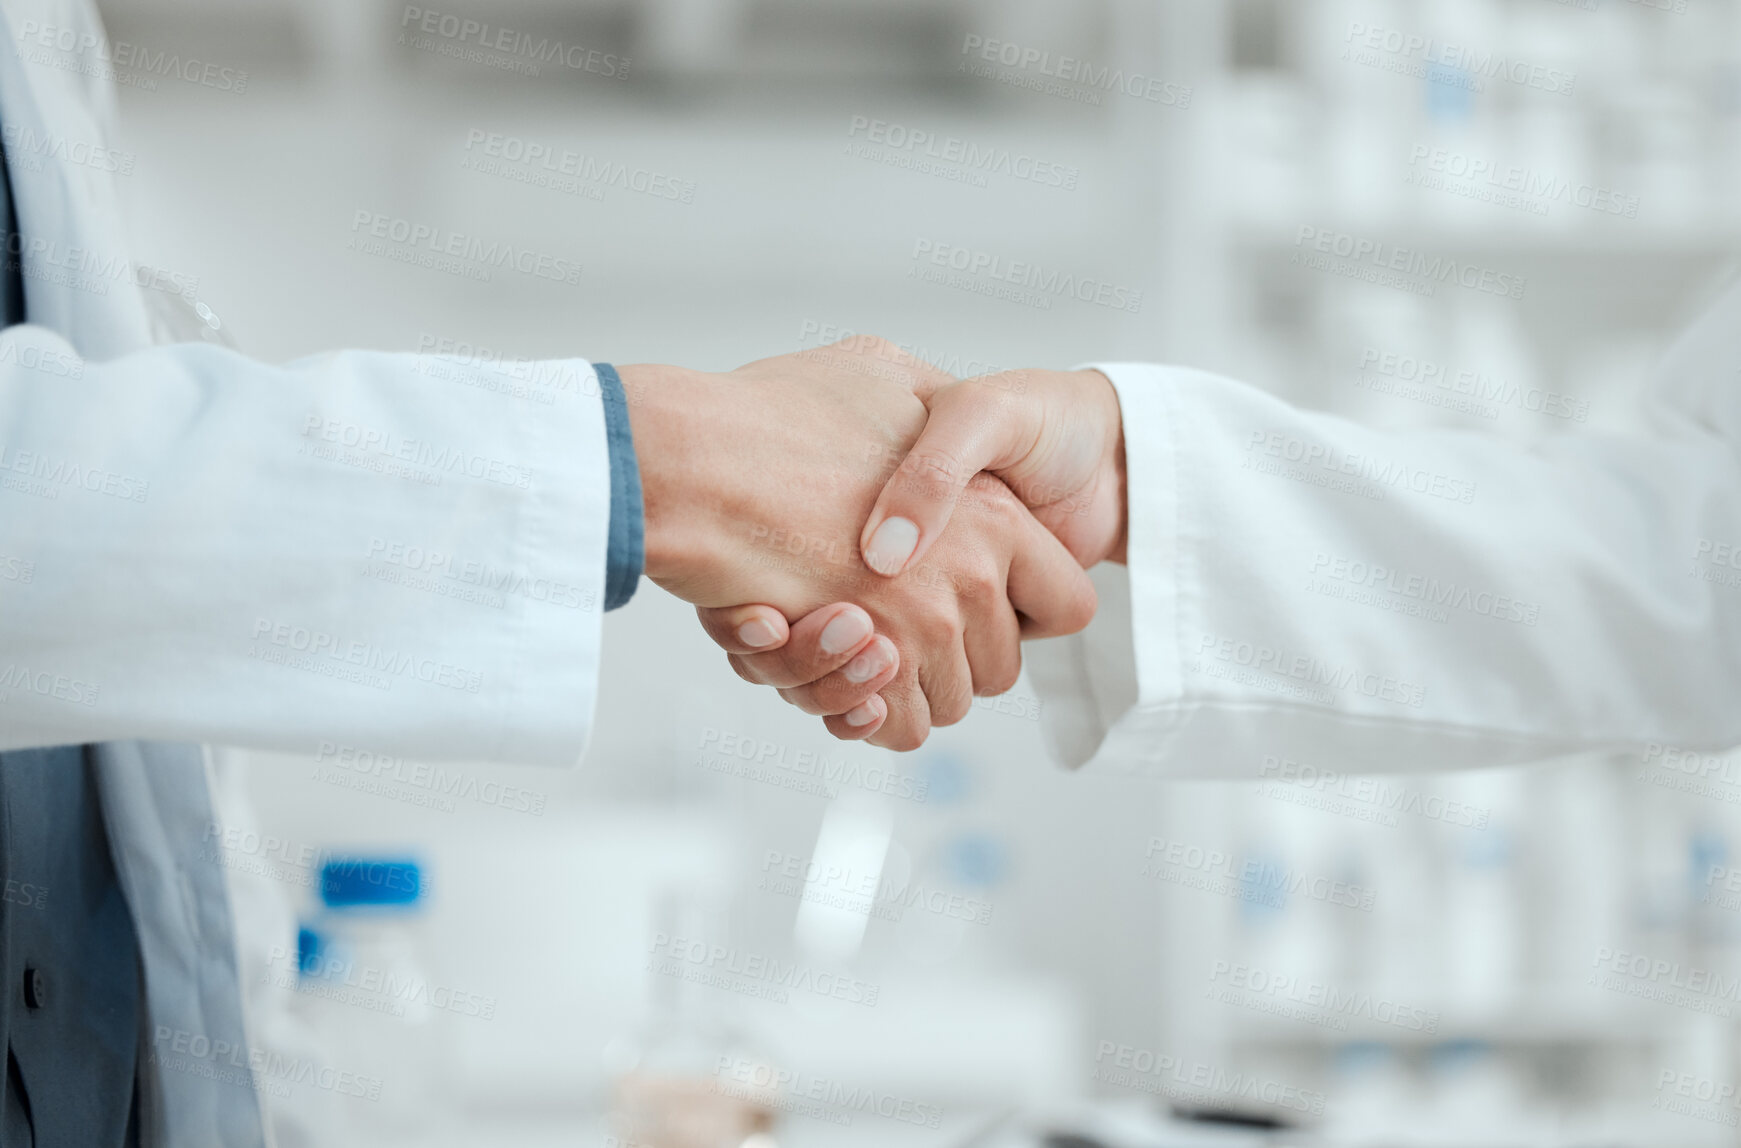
x,y
399,552
1303,586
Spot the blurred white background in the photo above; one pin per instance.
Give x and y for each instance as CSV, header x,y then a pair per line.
x,y
1055,943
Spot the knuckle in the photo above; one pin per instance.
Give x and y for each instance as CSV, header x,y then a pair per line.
x,y
799,665
950,700
940,625
902,740
840,731
1001,680
1086,607
834,694
1083,606
804,697
980,582
951,709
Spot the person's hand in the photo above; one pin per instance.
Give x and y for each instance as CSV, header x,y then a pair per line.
x,y
822,664
1057,439
754,484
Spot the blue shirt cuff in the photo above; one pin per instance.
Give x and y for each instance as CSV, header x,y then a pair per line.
x,y
627,554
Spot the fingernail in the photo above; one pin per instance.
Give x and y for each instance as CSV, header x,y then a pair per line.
x,y
845,632
867,665
862,714
891,545
758,632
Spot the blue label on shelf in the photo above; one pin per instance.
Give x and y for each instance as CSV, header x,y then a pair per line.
x,y
380,881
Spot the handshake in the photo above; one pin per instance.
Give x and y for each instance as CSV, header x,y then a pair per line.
x,y
897,531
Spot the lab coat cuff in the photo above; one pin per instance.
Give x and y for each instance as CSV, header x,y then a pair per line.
x,y
626,555
563,540
1155,485
1111,693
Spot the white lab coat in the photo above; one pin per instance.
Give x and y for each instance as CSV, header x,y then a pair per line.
x,y
186,557
1303,588
196,547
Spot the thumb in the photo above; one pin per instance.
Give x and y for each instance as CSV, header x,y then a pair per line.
x,y
971,428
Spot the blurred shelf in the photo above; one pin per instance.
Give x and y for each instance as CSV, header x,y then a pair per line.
x,y
1549,1015
1436,238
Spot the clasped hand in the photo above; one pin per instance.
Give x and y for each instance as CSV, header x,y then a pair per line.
x,y
898,531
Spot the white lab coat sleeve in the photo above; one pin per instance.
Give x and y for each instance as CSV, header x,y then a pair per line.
x,y
1302,588
380,553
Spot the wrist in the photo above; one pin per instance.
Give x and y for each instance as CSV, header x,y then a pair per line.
x,y
1109,512
1115,466
667,414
